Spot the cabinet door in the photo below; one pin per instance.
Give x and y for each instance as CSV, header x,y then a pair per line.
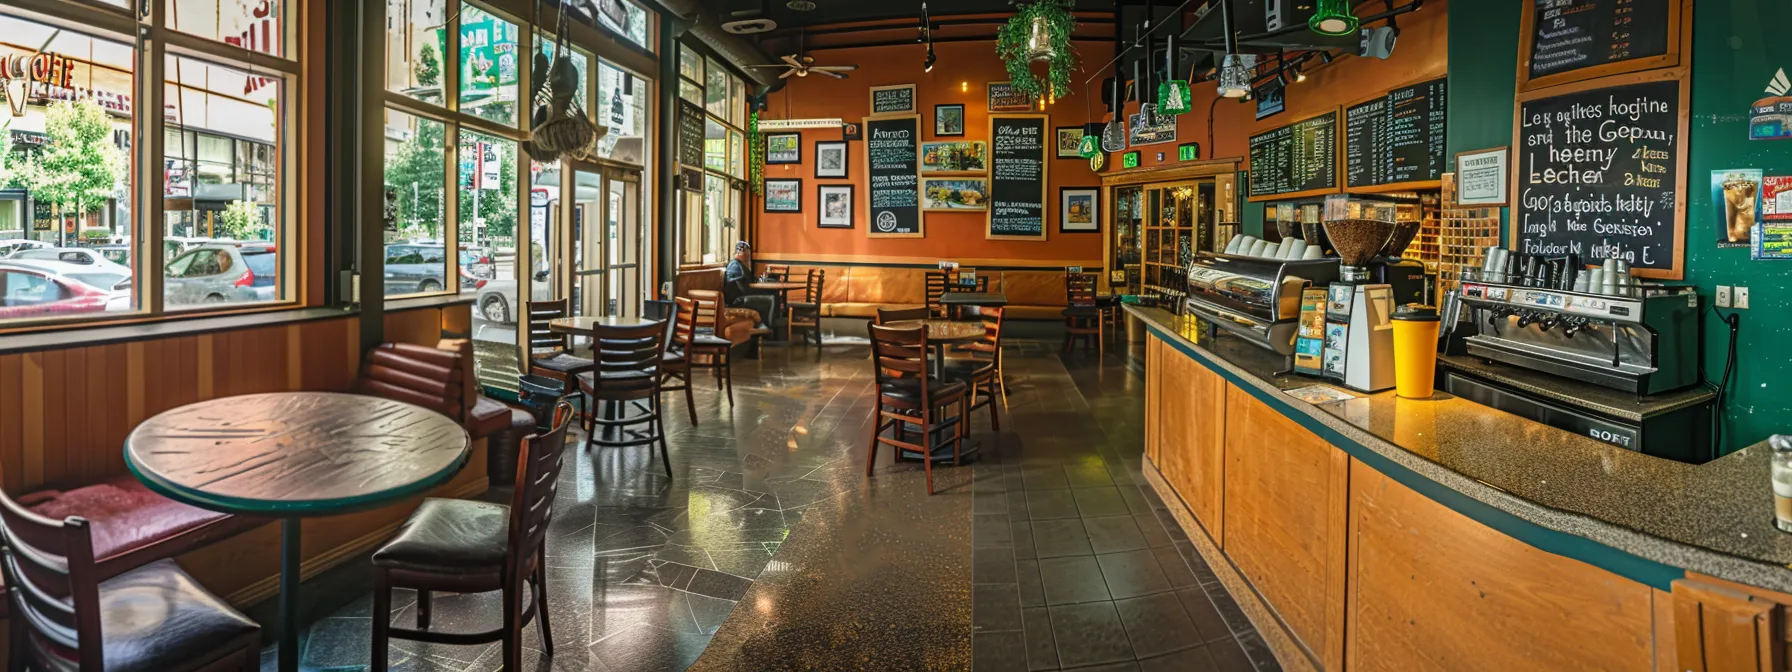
x,y
1154,348
1717,629
1192,437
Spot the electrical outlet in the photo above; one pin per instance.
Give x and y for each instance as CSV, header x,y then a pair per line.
x,y
1741,296
1723,296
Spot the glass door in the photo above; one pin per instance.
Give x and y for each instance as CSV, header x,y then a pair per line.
x,y
606,222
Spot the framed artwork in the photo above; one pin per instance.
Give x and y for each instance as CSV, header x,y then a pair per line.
x,y
783,148
955,156
1003,98
948,120
897,99
830,159
955,194
1079,210
850,131
1070,142
784,195
834,202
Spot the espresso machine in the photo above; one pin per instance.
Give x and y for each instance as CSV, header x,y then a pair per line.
x,y
1644,341
1256,298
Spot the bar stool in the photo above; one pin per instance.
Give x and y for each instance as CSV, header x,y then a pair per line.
x,y
465,546
65,616
628,374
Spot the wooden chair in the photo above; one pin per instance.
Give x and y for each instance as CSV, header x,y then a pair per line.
x,y
466,546
67,615
981,368
906,395
1082,318
806,314
680,315
550,354
936,288
778,273
888,315
707,350
629,361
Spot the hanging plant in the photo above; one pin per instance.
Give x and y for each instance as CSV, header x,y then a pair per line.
x,y
755,154
1039,32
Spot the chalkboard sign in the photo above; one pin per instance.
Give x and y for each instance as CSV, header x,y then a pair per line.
x,y
1601,172
1300,159
893,167
1570,40
893,99
1396,139
690,134
1017,152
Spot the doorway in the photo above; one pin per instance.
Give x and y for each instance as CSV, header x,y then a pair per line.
x,y
606,223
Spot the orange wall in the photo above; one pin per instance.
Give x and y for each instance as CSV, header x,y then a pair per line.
x,y
957,236
1419,55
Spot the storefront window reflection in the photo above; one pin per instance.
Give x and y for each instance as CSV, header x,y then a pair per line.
x,y
488,65
416,43
621,107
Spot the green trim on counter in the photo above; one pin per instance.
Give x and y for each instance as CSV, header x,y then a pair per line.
x,y
1642,570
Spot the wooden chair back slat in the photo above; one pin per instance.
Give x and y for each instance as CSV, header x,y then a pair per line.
x,y
900,354
542,339
708,308
664,311
684,324
936,287
54,585
627,350
1079,289
812,292
537,483
888,315
778,273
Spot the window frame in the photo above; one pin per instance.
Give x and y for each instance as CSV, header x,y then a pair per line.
x,y
691,227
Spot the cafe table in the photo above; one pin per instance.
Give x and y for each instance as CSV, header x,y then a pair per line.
x,y
582,326
941,333
294,455
783,288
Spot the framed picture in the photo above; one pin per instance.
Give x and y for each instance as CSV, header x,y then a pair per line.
x,y
1079,210
834,202
955,156
1272,98
783,148
1481,177
830,159
850,131
1003,98
948,120
955,194
898,99
784,195
1070,142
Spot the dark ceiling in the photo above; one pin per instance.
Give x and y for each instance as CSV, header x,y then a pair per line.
x,y
827,12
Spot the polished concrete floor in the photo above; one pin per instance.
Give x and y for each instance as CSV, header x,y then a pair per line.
x,y
771,550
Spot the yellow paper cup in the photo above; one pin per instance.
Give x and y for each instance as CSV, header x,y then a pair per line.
x,y
1415,351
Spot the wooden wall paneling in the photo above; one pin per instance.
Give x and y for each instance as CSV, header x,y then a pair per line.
x,y
1194,444
422,326
1661,603
1717,629
1282,520
12,423
50,415
205,370
1430,588
1153,399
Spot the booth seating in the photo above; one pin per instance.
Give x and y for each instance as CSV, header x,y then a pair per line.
x,y
859,291
441,379
736,324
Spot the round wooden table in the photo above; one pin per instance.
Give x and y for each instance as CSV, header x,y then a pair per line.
x,y
292,455
584,325
941,333
783,288
779,286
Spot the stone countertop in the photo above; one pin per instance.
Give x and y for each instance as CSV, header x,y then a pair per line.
x,y
1603,400
1715,518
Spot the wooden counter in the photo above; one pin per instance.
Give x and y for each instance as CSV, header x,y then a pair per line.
x,y
1350,550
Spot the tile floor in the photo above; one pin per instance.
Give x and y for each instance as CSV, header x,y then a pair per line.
x,y
1045,554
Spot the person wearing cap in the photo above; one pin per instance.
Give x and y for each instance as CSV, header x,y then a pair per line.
x,y
736,290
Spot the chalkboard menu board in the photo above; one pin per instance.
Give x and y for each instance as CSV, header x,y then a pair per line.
x,y
1297,159
892,99
1599,171
1569,35
892,162
1017,152
1397,138
690,134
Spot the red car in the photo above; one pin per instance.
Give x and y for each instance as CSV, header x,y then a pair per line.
x,y
27,292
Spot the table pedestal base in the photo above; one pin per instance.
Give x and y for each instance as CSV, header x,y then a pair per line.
x,y
289,595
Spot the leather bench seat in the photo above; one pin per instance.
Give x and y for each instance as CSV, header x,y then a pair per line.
x,y
859,291
736,324
133,525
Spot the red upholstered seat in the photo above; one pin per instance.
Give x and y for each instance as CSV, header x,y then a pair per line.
x,y
490,416
133,525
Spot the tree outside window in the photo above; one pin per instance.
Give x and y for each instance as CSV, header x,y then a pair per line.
x,y
78,168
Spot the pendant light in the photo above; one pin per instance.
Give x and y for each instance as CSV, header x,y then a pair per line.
x,y
1234,76
1333,17
1091,142
1113,136
1172,95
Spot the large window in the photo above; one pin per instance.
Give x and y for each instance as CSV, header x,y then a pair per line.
x,y
711,221
81,207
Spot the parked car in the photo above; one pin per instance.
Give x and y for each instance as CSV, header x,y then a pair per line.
x,y
117,254
220,273
72,255
477,262
40,289
415,268
497,296
10,245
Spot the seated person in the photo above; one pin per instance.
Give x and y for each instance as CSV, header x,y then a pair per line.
x,y
735,289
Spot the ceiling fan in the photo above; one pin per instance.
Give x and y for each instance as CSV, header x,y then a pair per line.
x,y
801,66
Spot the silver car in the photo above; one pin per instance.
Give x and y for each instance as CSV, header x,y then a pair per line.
x,y
94,259
222,274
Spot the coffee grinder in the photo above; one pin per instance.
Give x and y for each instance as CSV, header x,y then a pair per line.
x,y
1359,336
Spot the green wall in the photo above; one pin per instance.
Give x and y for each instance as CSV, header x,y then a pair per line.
x,y
1735,51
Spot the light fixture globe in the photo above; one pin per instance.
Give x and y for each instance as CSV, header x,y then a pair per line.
x,y
1235,77
1333,17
